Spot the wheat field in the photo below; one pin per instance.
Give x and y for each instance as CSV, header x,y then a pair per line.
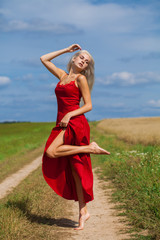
x,y
144,130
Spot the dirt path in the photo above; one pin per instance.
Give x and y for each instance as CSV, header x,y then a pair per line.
x,y
13,180
104,224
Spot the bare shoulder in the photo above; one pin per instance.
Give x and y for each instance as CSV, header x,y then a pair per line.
x,y
83,84
81,80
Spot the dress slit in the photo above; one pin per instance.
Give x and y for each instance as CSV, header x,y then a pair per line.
x,y
57,171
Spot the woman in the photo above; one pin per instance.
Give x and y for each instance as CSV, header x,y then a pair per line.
x,y
66,160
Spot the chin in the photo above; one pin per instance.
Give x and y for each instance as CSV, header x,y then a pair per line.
x,y
79,69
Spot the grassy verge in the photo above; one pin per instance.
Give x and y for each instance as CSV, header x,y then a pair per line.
x,y
20,143
33,211
134,171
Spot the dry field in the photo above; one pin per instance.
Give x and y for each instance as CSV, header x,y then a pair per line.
x,y
145,130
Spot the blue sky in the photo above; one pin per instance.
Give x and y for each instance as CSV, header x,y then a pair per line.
x,y
122,36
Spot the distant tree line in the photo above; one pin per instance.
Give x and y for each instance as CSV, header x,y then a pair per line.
x,y
14,122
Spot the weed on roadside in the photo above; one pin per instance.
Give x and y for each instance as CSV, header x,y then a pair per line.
x,y
34,211
134,171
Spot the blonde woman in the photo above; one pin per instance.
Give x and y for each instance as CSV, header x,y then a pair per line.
x,y
66,160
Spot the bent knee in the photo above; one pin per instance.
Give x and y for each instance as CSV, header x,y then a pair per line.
x,y
51,153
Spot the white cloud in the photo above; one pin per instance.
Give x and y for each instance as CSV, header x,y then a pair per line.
x,y
144,44
38,25
4,80
26,77
108,21
112,18
149,56
154,103
43,77
127,78
4,11
34,62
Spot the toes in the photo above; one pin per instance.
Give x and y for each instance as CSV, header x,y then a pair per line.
x,y
82,220
78,228
98,149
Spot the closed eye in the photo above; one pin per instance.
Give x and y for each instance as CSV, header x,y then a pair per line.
x,y
82,57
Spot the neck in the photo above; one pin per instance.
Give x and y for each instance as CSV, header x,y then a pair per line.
x,y
73,72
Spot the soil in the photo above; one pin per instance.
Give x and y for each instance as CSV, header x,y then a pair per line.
x,y
14,179
103,224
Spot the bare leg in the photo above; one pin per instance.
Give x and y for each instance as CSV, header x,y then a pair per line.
x,y
58,149
83,212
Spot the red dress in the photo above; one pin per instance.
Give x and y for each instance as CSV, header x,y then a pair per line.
x,y
57,171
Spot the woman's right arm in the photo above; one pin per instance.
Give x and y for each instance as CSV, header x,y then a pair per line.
x,y
46,60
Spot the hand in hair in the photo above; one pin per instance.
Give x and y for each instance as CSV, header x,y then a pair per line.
x,y
74,47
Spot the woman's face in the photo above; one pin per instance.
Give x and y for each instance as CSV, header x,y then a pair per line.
x,y
82,61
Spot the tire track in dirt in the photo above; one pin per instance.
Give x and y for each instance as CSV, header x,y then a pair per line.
x,y
104,224
13,180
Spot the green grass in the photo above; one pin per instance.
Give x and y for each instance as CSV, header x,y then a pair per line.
x,y
34,211
20,143
17,138
31,213
134,171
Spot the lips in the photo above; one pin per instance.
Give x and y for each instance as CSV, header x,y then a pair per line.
x,y
81,64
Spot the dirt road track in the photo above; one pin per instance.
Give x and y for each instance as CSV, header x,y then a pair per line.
x,y
104,224
13,180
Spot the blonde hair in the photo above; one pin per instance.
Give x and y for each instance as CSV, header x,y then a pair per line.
x,y
88,72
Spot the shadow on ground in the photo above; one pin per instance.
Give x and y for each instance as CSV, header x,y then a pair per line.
x,y
22,205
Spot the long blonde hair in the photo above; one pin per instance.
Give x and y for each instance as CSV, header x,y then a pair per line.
x,y
88,72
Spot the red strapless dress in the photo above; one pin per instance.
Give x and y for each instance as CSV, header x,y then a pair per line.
x,y
57,171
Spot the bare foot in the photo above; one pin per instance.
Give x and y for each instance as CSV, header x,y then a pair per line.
x,y
97,150
82,219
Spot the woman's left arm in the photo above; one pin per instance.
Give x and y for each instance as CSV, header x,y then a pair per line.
x,y
83,85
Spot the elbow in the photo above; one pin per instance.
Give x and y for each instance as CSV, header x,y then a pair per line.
x,y
89,107
42,60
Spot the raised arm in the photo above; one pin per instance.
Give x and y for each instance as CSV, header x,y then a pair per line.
x,y
46,60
